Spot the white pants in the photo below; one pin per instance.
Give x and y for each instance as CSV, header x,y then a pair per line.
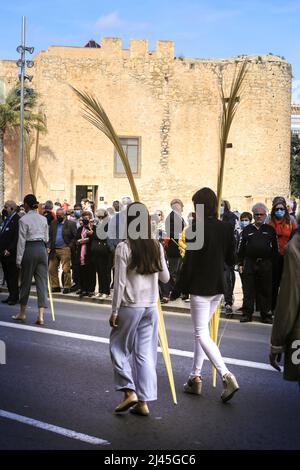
x,y
202,309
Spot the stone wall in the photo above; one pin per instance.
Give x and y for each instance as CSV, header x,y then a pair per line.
x,y
173,105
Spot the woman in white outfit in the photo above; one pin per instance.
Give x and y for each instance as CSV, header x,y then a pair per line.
x,y
202,276
139,265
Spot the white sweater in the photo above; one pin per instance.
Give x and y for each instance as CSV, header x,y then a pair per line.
x,y
132,289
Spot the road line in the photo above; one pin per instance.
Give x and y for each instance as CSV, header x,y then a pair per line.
x,y
56,429
49,331
99,339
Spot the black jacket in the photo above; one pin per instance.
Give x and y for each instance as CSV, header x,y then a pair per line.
x,y
88,253
230,218
174,226
69,232
258,243
202,272
9,237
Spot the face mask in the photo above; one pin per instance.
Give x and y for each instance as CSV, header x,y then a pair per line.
x,y
85,222
221,210
77,213
59,219
4,213
279,213
244,223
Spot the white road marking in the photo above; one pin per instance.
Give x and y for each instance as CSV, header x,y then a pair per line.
x,y
99,339
56,429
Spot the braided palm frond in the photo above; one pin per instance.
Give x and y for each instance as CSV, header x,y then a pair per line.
x,y
229,108
94,113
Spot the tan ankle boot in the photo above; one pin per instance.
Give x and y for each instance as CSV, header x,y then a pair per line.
x,y
193,385
230,386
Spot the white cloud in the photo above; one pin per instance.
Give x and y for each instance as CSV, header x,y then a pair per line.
x,y
113,21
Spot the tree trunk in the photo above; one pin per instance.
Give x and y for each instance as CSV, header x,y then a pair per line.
x,y
1,169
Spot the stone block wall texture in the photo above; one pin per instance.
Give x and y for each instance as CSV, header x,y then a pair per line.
x,y
173,104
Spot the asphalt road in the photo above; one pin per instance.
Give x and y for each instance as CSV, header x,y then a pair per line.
x,y
64,383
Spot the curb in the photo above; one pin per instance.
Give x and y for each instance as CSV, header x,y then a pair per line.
x,y
165,308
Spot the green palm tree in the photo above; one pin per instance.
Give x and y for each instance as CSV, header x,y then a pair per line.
x,y
10,119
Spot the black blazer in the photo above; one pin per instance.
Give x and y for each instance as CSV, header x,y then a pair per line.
x,y
88,253
174,226
9,237
202,272
69,233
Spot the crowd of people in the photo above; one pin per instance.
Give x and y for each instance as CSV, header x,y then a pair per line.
x,y
87,260
95,247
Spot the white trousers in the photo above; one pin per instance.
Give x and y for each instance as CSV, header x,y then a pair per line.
x,y
136,338
202,309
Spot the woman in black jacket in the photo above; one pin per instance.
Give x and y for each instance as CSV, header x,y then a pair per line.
x,y
87,274
202,276
101,253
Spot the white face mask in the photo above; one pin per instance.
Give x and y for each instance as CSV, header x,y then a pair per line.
x,y
244,223
221,210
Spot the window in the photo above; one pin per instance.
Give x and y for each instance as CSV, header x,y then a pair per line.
x,y
131,146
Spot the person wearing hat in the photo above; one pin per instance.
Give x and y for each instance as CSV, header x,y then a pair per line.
x,y
174,227
283,225
32,257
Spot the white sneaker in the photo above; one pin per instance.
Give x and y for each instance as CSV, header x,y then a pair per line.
x,y
103,296
230,387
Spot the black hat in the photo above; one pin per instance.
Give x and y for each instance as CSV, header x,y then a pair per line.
x,y
278,200
31,201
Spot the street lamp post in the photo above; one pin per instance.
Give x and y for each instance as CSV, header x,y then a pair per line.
x,y
21,63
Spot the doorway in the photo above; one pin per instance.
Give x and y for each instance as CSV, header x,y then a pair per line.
x,y
87,192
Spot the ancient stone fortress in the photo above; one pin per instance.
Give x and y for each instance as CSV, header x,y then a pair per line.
x,y
167,110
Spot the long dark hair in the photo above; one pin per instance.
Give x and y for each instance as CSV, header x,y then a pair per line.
x,y
226,205
286,216
208,198
145,251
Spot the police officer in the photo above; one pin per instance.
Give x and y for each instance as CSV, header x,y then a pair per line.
x,y
258,247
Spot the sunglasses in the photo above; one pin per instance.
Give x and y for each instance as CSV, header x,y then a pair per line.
x,y
258,215
279,208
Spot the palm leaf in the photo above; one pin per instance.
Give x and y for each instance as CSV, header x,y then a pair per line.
x,y
37,123
229,109
94,113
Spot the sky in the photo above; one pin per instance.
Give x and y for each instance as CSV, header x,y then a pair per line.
x,y
200,28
